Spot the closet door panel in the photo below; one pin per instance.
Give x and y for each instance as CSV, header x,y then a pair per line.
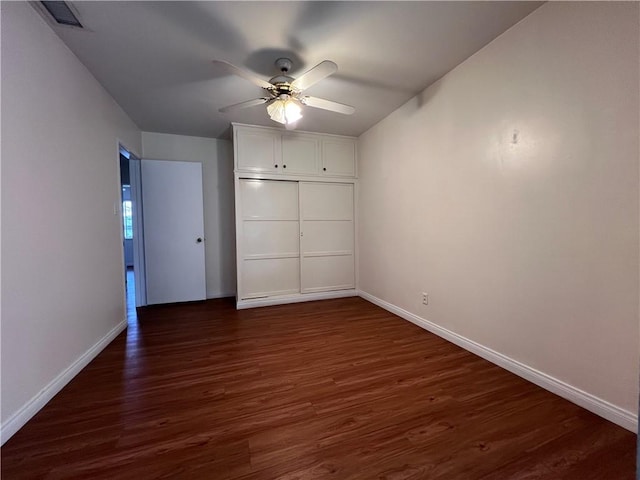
x,y
269,246
269,200
326,201
271,276
271,238
327,237
334,272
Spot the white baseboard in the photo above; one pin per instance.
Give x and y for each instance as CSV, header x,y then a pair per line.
x,y
294,298
613,413
214,296
16,421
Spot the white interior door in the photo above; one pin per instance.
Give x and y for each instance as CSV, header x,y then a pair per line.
x,y
326,237
173,220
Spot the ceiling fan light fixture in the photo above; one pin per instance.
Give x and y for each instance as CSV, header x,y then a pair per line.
x,y
285,110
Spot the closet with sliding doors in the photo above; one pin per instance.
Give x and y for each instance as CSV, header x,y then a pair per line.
x,y
295,215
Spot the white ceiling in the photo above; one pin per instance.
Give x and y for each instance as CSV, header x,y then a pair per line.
x,y
154,58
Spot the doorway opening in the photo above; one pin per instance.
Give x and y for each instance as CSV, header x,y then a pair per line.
x,y
132,241
127,235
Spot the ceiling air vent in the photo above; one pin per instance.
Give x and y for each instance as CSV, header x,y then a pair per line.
x,y
62,13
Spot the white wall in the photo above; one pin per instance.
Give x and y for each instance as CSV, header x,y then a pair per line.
x,y
216,157
62,257
508,191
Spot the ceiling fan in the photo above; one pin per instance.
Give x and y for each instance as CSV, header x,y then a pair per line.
x,y
284,94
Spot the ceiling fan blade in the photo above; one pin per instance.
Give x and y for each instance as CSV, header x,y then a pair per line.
x,y
316,102
248,103
244,74
317,73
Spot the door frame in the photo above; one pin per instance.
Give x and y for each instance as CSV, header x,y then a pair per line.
x,y
138,230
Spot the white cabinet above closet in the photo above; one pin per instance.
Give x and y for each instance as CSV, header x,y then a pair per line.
x,y
261,151
299,154
338,157
256,150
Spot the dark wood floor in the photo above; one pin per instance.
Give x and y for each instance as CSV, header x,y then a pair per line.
x,y
335,389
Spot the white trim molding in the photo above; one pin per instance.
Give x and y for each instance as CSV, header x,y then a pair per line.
x,y
215,296
294,298
16,421
613,413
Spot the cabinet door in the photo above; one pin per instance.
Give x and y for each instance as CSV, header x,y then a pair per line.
x,y
327,237
299,154
338,157
257,150
269,238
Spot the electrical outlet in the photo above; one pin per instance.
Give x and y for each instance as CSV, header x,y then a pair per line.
x,y
425,298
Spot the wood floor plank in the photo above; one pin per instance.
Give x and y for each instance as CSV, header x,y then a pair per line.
x,y
336,389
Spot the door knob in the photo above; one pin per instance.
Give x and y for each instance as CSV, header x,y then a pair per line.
x,y
199,240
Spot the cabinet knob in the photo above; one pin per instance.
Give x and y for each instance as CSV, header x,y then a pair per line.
x,y
324,169
284,166
199,240
276,165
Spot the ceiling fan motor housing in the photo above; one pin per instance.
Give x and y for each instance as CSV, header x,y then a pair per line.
x,y
282,82
284,64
